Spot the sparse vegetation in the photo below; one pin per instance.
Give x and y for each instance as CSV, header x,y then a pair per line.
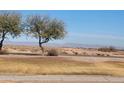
x,y
107,49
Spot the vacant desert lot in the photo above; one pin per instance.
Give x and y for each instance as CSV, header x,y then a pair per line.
x,y
36,65
23,49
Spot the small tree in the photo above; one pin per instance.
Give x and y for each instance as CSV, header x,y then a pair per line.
x,y
9,25
45,29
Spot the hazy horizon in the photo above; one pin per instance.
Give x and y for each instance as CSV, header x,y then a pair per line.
x,y
67,44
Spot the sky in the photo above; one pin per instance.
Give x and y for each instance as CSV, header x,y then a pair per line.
x,y
92,27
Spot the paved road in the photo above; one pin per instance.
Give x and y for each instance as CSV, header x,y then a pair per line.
x,y
61,79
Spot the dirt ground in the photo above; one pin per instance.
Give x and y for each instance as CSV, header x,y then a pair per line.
x,y
62,51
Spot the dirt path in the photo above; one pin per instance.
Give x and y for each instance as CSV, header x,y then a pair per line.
x,y
61,79
94,59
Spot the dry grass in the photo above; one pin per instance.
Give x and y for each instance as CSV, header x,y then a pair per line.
x,y
56,65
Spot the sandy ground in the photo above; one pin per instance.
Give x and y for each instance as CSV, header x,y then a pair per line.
x,y
61,50
61,79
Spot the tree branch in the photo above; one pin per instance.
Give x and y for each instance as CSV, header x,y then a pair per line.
x,y
45,41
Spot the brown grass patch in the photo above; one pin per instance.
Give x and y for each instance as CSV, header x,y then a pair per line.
x,y
58,66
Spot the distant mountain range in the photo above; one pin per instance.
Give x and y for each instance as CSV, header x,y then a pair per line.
x,y
73,45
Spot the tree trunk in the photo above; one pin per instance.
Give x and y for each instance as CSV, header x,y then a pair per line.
x,y
1,44
2,39
41,43
41,47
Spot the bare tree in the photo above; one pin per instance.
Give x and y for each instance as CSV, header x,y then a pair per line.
x,y
9,25
45,29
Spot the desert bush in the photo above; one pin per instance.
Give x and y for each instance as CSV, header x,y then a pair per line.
x,y
52,52
107,49
76,53
98,54
3,52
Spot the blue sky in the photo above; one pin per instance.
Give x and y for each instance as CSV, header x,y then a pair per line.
x,y
86,27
